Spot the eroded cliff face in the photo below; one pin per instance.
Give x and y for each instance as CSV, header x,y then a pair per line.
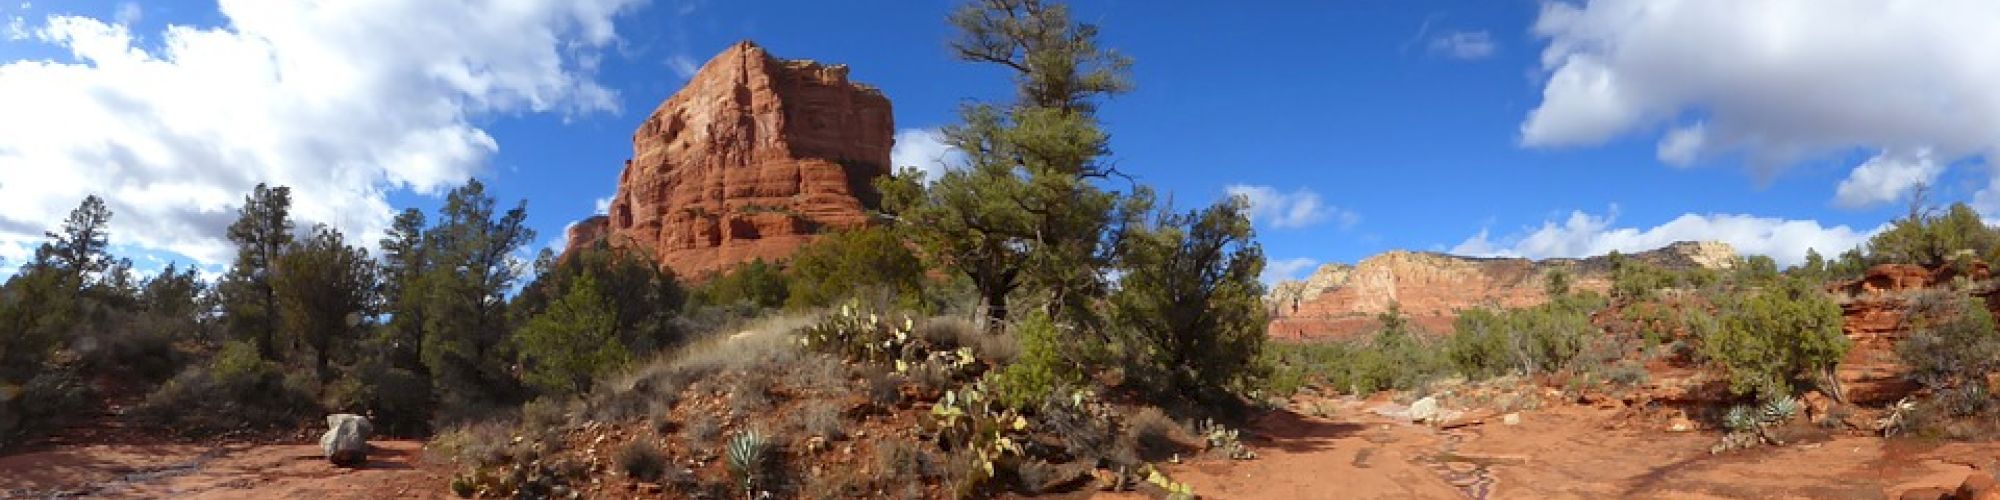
x,y
1875,311
750,160
1340,301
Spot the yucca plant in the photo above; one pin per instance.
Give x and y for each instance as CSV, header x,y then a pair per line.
x,y
746,456
1740,419
1781,409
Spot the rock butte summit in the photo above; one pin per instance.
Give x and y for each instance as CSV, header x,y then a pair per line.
x,y
750,160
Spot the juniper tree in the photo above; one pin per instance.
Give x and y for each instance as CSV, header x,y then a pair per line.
x,y
326,291
1026,209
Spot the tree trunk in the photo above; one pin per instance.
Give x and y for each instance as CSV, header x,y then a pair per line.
x,y
992,311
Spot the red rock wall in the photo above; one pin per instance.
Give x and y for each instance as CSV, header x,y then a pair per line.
x,y
750,160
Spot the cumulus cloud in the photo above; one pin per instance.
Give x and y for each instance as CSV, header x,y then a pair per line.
x,y
1300,208
601,206
1775,82
1277,270
326,97
925,149
1886,177
1583,235
1466,45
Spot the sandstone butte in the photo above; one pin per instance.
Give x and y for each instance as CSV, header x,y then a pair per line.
x,y
1339,301
750,160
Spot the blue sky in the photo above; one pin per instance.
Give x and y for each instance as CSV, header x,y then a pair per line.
x,y
1509,127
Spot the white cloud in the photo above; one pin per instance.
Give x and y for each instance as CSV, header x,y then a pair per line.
x,y
1775,81
1887,177
925,149
602,206
326,97
1584,234
1466,45
1300,208
683,66
1277,270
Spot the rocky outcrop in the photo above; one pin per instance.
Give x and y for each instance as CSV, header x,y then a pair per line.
x,y
1339,301
1875,310
346,439
750,160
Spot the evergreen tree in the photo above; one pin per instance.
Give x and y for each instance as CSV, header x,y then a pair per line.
x,y
404,263
262,231
464,288
1190,298
326,291
80,250
572,343
1027,209
837,266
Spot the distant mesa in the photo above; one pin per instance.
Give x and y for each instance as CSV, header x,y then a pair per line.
x,y
1340,301
752,159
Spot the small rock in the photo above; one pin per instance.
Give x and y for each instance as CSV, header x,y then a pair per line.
x,y
1511,419
1424,409
1680,423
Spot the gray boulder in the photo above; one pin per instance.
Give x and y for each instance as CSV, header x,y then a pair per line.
x,y
346,439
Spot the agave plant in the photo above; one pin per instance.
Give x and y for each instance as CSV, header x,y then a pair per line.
x,y
1781,409
1740,419
746,456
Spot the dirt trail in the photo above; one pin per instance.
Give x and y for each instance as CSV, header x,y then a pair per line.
x,y
1563,452
218,472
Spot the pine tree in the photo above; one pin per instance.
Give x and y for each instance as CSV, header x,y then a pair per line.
x,y
326,292
262,231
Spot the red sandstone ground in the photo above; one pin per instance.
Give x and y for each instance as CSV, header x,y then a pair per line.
x,y
1560,451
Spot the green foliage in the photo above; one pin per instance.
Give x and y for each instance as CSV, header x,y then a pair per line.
x,y
237,388
1556,282
838,266
754,283
748,459
572,343
1189,301
1041,368
79,250
1776,339
470,269
326,292
1952,341
1489,343
1025,210
262,231
1930,239
645,301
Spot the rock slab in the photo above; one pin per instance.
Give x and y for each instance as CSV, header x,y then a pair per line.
x,y
346,439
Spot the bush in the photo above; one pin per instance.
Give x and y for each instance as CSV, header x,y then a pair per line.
x,y
755,283
1189,302
1952,342
396,400
572,343
837,266
641,460
236,389
1040,370
41,404
1777,339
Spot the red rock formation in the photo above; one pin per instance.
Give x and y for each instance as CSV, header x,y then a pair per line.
x,y
1340,301
749,160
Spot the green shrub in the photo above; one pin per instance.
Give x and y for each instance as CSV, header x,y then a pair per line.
x,y
572,343
1040,370
238,388
1952,341
1189,303
755,283
1777,339
835,267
